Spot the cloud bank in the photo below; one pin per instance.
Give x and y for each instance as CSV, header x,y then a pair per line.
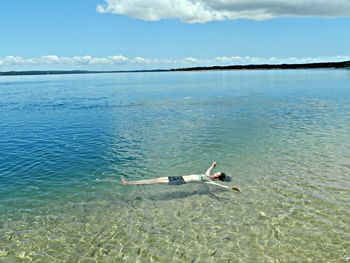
x,y
119,62
201,11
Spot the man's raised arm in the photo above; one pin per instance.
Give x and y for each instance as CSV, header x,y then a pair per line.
x,y
207,173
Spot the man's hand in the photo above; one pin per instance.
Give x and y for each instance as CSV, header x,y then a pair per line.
x,y
235,188
213,164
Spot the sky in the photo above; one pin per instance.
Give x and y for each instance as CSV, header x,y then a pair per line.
x,y
153,34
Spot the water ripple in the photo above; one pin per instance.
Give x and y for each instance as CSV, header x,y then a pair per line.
x,y
66,141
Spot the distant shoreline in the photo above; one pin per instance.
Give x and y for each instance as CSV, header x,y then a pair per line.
x,y
321,65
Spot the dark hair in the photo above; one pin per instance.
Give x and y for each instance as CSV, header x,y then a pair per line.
x,y
225,178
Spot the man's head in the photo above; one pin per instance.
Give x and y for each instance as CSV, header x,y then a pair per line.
x,y
220,176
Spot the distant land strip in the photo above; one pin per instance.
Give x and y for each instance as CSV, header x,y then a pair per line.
x,y
344,64
321,65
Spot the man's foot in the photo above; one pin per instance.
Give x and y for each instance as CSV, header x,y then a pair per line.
x,y
235,188
123,181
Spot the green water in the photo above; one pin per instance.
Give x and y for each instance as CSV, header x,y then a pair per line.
x,y
284,137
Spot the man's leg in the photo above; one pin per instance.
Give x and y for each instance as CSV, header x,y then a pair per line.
x,y
160,180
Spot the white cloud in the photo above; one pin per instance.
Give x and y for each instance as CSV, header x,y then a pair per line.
x,y
225,59
50,59
191,60
141,60
10,60
235,60
119,59
201,11
119,62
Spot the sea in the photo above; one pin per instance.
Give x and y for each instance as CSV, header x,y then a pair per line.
x,y
282,135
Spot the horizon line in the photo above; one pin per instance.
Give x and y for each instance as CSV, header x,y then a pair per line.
x,y
283,66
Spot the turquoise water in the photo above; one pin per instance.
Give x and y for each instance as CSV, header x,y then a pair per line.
x,y
284,136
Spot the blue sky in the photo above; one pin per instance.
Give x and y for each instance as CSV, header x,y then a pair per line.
x,y
145,34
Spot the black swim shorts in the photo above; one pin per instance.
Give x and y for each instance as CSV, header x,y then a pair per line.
x,y
176,180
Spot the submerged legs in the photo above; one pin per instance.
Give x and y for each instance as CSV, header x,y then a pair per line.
x,y
160,180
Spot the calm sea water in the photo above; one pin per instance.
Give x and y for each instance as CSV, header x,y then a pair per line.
x,y
284,136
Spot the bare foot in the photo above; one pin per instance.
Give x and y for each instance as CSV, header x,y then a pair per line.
x,y
123,181
235,188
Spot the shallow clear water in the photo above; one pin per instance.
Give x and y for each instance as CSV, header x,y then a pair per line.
x,y
284,136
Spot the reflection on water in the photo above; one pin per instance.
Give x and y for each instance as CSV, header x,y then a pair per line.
x,y
284,136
